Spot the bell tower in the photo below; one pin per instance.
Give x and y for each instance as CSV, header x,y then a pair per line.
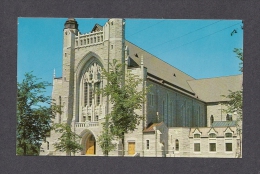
x,y
70,31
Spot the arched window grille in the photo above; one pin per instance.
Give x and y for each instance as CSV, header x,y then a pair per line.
x,y
92,83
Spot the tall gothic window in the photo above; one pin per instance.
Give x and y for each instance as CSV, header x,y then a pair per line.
x,y
92,82
98,95
90,94
85,93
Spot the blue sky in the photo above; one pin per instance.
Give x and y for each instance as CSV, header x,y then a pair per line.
x,y
200,48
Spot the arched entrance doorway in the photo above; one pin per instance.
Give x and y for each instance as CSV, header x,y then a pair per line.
x,y
91,145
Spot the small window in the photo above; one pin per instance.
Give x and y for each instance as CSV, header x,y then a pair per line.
x,y
88,41
196,147
228,147
95,40
96,118
212,147
196,135
91,40
98,39
212,135
101,38
77,43
84,41
147,144
177,145
81,42
211,119
229,117
89,118
111,47
65,54
227,135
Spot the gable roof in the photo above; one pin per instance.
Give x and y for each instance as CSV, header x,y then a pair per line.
x,y
220,131
97,27
212,89
158,67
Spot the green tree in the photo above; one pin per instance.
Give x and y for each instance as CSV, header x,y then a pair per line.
x,y
68,141
121,89
235,101
34,114
105,138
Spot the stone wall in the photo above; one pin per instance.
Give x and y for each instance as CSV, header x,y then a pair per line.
x,y
173,108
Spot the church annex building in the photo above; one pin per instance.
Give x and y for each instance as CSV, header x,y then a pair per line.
x,y
191,121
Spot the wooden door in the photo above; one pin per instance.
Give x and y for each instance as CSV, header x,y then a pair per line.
x,y
90,146
131,148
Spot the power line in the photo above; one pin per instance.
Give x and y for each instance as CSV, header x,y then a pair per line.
x,y
193,40
203,37
147,28
185,34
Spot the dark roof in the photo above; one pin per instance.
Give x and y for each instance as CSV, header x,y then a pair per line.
x,y
223,123
212,89
150,128
166,71
97,27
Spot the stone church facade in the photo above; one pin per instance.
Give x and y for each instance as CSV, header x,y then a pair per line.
x,y
182,116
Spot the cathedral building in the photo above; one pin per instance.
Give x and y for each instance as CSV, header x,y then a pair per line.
x,y
183,116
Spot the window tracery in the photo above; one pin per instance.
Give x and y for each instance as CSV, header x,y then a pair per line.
x,y
92,82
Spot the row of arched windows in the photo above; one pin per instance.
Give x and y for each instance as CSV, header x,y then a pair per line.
x,y
90,40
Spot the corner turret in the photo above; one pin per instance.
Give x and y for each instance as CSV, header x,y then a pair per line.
x,y
71,23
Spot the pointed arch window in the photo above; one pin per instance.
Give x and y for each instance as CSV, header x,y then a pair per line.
x,y
98,95
211,119
85,93
177,145
92,83
90,94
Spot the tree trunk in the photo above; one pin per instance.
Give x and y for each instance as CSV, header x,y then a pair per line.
x,y
24,148
123,144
